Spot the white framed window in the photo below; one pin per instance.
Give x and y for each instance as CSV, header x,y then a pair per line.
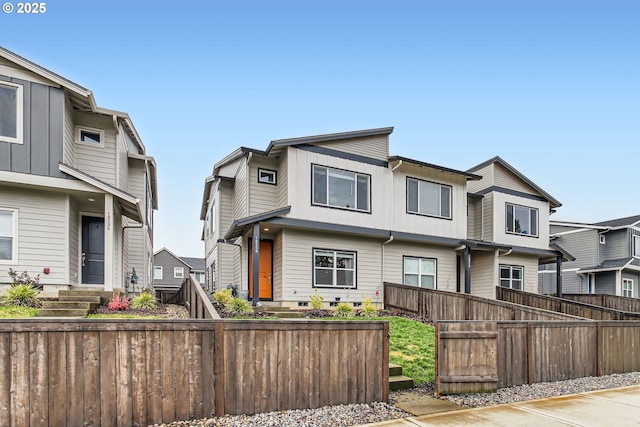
x,y
90,136
341,189
636,246
200,278
157,272
267,176
8,221
11,113
212,219
603,239
428,198
333,268
419,272
627,288
522,220
178,272
511,276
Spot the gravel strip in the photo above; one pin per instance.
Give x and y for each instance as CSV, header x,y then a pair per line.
x,y
350,415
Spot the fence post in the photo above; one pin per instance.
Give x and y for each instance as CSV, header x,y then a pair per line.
x,y
218,370
529,350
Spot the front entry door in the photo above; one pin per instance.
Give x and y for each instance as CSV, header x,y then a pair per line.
x,y
92,259
266,270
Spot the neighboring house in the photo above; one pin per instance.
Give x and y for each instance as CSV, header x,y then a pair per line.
x,y
77,189
170,270
607,258
335,213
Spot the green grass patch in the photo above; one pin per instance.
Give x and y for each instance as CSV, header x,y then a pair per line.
x,y
7,312
121,316
412,346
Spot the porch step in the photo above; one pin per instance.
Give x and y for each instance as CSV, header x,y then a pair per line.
x,y
279,311
70,305
397,381
105,296
272,309
74,303
58,312
69,298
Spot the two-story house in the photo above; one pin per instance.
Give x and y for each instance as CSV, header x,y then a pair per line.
x,y
336,214
607,257
77,189
170,270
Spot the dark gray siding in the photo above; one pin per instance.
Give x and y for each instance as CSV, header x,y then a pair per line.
x,y
168,262
606,283
43,118
616,246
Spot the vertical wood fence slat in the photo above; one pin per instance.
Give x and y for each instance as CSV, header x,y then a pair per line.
x,y
39,376
91,365
5,379
75,379
108,404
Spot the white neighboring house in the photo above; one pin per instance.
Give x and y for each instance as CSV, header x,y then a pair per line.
x,y
77,188
337,214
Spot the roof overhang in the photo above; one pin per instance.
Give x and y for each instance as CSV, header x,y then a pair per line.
x,y
399,159
279,143
241,226
129,204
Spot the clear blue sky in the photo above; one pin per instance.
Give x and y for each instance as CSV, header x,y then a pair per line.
x,y
553,87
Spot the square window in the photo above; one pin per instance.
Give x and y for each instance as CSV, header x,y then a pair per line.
x,y
157,272
178,272
266,176
11,128
334,268
511,276
90,136
521,220
420,272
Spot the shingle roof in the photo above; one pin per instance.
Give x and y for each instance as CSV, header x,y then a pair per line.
x,y
612,264
196,264
620,222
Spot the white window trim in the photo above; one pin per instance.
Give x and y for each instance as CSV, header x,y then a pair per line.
x,y
440,186
79,129
636,246
178,272
420,273
19,139
511,279
506,216
627,281
335,269
14,237
603,239
160,269
271,172
327,204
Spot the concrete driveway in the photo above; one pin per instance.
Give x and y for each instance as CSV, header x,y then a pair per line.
x,y
614,407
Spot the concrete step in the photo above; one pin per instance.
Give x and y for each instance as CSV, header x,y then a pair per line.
x,y
70,305
394,370
72,298
105,296
400,382
57,312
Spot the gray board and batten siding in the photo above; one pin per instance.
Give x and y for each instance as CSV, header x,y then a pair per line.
x,y
43,121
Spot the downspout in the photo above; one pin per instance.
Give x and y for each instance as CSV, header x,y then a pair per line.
x,y
385,243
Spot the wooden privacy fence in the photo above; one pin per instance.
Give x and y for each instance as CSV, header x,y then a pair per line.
x,y
195,299
561,305
608,301
132,372
436,305
474,356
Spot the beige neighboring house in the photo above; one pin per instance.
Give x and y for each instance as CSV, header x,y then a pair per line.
x,y
338,215
77,188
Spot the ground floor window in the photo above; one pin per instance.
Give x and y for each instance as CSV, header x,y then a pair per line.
x,y
511,276
420,272
333,268
627,288
7,234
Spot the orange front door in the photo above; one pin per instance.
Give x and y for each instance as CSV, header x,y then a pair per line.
x,y
266,270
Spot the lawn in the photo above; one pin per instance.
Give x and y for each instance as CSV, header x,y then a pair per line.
x,y
7,312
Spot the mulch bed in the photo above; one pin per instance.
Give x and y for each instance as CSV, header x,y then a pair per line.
x,y
161,310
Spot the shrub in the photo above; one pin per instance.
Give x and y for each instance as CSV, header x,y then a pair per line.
x,y
223,296
21,295
118,302
238,307
343,310
24,279
144,301
368,309
316,301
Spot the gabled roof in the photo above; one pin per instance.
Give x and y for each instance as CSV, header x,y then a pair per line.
x,y
629,221
172,254
497,159
81,98
609,265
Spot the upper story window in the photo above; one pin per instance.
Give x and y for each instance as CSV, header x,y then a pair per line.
x,y
7,234
90,136
178,272
636,246
341,189
157,272
334,268
420,272
428,198
522,220
511,276
267,176
11,112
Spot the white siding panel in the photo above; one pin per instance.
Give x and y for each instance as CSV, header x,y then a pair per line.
x,y
262,197
506,179
445,264
283,181
240,195
42,234
99,162
376,147
278,267
487,218
484,274
69,147
487,174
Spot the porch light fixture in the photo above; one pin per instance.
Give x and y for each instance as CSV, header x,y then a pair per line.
x,y
265,229
91,199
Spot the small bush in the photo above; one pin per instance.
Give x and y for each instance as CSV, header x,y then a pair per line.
x,y
238,307
24,279
223,296
343,310
118,303
368,309
316,301
144,301
21,295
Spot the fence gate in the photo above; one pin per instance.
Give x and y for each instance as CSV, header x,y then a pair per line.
x,y
466,357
